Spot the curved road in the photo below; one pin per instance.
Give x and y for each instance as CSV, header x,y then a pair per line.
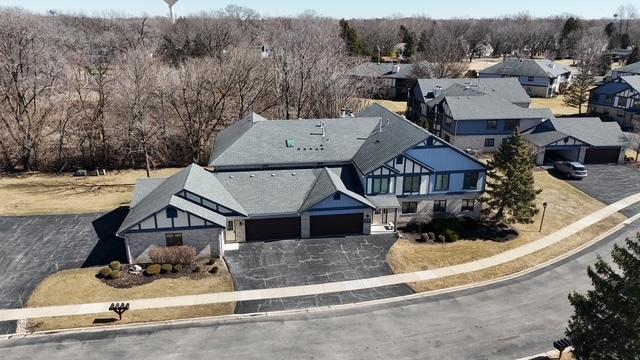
x,y
508,320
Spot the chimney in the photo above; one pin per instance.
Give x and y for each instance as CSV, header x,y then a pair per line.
x,y
395,68
437,91
380,126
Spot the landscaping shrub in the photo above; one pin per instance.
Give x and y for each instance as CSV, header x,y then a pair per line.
x,y
214,269
423,238
440,238
115,274
115,265
432,236
153,269
166,268
211,261
173,255
198,268
105,272
177,268
450,235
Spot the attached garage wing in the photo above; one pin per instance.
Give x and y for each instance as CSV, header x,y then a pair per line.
x,y
602,155
272,229
336,225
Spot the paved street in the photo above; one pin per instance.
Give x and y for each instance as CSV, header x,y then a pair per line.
x,y
283,263
610,183
504,321
34,247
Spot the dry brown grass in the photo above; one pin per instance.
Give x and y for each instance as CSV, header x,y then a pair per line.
x,y
45,193
399,107
556,105
566,205
81,286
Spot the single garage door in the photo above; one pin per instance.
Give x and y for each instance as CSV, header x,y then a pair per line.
x,y
336,225
272,229
602,155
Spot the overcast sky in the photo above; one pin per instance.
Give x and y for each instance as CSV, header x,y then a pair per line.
x,y
591,9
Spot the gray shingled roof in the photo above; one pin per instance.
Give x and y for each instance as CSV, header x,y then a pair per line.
x,y
227,137
631,68
527,67
398,135
384,70
328,183
488,108
143,187
506,88
273,192
192,178
590,130
264,142
385,201
633,81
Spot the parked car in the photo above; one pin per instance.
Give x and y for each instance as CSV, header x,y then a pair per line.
x,y
571,169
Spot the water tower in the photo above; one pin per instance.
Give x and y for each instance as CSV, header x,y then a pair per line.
x,y
171,14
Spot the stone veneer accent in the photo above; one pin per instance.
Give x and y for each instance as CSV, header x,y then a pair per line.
x,y
206,241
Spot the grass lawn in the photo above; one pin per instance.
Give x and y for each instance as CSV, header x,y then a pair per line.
x,y
46,194
81,286
398,107
566,205
556,105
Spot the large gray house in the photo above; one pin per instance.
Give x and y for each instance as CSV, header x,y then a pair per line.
x,y
393,79
618,100
539,77
283,179
474,114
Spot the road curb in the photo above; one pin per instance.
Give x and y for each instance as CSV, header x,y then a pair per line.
x,y
328,308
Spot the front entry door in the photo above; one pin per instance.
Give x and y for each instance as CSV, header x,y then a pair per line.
x,y
230,233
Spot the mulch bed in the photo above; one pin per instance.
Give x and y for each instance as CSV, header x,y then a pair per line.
x,y
472,230
128,280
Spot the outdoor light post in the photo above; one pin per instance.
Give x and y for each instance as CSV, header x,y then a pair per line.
x,y
544,209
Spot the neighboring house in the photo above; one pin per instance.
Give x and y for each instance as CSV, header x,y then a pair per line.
x,y
393,79
539,77
279,179
618,100
478,114
627,70
620,55
587,140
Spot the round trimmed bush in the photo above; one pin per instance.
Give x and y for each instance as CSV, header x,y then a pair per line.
x,y
432,236
153,269
115,265
214,269
115,274
440,238
198,268
451,236
105,272
177,268
422,238
166,268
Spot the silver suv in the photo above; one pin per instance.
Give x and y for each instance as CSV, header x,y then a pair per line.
x,y
571,169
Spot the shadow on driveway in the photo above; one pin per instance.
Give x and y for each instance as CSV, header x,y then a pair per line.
x,y
109,247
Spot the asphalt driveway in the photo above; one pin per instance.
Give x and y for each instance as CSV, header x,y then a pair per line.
x,y
261,265
610,183
32,248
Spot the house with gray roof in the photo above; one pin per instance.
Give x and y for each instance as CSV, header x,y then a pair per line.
x,y
539,77
618,100
474,114
588,140
290,179
627,70
392,80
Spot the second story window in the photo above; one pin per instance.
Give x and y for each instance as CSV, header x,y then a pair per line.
x,y
511,124
411,184
442,182
492,124
399,160
470,181
380,185
172,213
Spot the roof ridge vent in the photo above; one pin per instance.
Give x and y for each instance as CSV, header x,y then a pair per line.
x,y
252,175
273,174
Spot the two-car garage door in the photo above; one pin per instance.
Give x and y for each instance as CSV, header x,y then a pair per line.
x,y
336,225
602,155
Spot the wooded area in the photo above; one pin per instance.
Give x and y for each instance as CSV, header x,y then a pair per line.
x,y
120,92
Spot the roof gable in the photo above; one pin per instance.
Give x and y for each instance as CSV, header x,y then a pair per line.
x,y
527,67
328,183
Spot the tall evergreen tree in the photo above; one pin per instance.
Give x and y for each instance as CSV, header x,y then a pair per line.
x,y
409,38
350,37
423,42
635,55
510,189
577,93
606,320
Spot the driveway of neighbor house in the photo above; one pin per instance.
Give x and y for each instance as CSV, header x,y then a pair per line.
x,y
610,183
32,248
261,265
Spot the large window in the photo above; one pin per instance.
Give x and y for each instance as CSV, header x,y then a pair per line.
x,y
174,239
511,124
410,207
442,182
468,204
492,124
440,206
489,142
470,181
380,185
411,184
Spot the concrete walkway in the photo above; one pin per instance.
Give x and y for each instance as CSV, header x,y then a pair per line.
x,y
292,291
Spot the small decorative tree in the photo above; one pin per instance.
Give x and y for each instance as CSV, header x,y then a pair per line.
x,y
606,319
510,186
577,93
